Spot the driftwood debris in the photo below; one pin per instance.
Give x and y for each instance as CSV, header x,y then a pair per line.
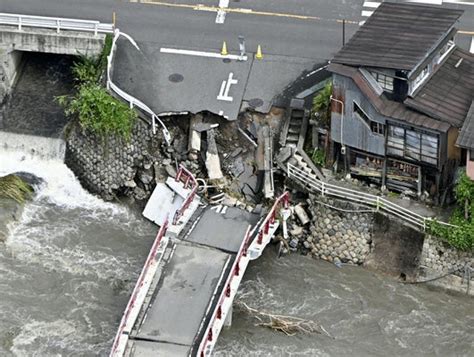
x,y
289,325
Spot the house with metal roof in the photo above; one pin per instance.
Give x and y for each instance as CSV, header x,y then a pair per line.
x,y
402,91
466,141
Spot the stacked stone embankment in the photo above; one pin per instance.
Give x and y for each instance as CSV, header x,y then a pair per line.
x,y
437,256
107,165
339,231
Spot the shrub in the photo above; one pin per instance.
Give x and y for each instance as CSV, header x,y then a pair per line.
x,y
322,104
99,112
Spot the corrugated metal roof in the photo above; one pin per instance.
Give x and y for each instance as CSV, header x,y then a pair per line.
x,y
397,36
466,136
448,94
389,108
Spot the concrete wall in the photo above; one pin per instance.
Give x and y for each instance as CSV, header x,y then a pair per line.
x,y
13,42
49,41
356,134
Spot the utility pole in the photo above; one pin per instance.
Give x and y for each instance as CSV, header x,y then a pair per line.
x,y
343,32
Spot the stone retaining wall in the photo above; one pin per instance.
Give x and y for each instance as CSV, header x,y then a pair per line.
x,y
344,232
112,167
438,257
340,235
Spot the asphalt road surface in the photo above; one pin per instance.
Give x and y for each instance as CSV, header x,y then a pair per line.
x,y
293,36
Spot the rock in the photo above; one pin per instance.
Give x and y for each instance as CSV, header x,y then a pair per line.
x,y
170,170
139,193
145,176
307,244
130,184
297,231
293,243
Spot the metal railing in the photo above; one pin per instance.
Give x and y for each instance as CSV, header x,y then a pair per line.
x,y
187,178
55,23
138,295
236,273
379,204
134,102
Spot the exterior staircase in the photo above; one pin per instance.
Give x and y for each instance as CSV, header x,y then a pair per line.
x,y
292,139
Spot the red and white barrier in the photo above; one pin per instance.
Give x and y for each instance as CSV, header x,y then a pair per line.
x,y
247,251
139,292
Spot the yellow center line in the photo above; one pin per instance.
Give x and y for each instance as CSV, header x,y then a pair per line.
x,y
200,7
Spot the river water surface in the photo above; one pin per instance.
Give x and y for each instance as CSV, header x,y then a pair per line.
x,y
69,266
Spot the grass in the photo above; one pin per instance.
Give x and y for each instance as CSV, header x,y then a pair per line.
x,y
13,187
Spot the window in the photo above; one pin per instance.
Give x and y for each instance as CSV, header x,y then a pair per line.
x,y
375,127
471,155
420,78
445,50
386,82
412,144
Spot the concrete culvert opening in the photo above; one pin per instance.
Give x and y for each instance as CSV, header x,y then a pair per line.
x,y
38,78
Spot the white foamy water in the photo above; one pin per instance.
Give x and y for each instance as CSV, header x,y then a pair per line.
x,y
60,186
68,266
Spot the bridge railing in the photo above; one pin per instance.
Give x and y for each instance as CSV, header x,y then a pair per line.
x,y
238,268
138,296
187,178
377,202
133,102
56,23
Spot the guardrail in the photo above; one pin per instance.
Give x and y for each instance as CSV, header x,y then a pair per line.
x,y
134,102
186,177
237,271
138,295
56,23
379,203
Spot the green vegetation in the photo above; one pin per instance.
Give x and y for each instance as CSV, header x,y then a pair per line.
x,y
322,105
319,157
461,236
13,187
96,109
99,112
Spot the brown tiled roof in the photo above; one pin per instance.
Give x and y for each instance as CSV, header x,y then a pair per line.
x,y
397,36
466,136
448,94
389,108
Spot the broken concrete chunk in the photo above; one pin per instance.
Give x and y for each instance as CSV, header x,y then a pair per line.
x,y
213,163
200,127
194,144
301,214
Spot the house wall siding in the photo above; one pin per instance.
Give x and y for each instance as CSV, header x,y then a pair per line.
x,y
356,133
470,166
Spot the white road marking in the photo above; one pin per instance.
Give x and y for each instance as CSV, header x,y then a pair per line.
x,y
373,4
472,45
366,13
220,17
201,54
460,2
225,88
